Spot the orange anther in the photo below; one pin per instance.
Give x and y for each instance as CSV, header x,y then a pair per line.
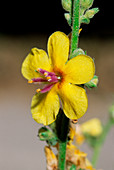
x,y
45,74
30,81
38,90
48,78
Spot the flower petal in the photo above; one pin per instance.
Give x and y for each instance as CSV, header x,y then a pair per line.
x,y
74,100
36,59
45,107
79,70
58,49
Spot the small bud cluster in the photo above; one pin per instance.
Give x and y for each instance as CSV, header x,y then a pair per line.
x,y
85,13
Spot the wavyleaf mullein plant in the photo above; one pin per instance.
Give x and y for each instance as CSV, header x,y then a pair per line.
x,y
64,73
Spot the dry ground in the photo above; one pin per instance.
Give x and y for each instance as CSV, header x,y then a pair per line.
x,y
19,146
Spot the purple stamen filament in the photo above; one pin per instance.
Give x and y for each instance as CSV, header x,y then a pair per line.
x,y
49,77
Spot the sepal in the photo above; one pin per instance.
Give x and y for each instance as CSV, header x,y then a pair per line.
x,y
92,83
47,135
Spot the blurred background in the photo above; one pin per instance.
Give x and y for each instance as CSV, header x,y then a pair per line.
x,y
27,25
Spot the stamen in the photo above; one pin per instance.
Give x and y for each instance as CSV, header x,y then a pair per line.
x,y
45,74
38,69
39,80
47,88
38,90
48,78
30,81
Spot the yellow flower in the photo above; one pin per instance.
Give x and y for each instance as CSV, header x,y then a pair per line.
x,y
50,158
92,127
61,78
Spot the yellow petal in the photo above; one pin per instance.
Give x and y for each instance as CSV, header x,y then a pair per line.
x,y
36,59
74,100
58,49
45,107
79,70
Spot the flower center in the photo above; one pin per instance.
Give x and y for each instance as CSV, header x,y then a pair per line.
x,y
50,78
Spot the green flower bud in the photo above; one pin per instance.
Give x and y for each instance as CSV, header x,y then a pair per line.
x,y
67,5
77,52
86,3
93,82
90,13
68,18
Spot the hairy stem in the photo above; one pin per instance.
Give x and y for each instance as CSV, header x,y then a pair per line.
x,y
75,25
62,155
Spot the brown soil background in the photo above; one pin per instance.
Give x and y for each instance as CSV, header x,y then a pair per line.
x,y
19,146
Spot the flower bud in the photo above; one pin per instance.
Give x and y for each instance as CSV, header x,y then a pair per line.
x,y
92,127
67,5
47,135
68,18
90,13
44,133
93,82
77,52
86,3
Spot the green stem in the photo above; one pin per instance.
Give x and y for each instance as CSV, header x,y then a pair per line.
x,y
62,122
76,23
62,155
100,142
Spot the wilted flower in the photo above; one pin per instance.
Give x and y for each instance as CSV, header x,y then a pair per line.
x,y
50,159
76,157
